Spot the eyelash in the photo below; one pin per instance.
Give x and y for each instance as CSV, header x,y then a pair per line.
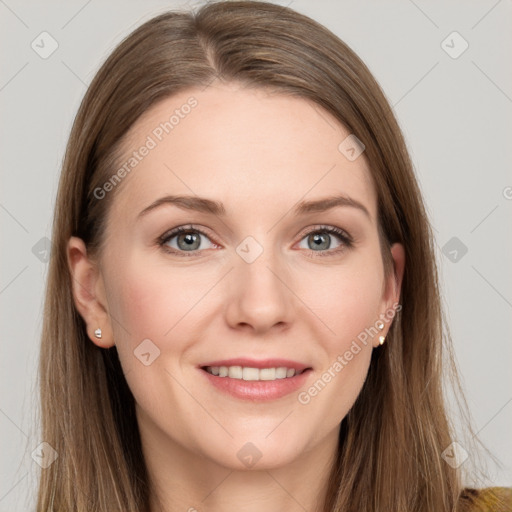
x,y
344,237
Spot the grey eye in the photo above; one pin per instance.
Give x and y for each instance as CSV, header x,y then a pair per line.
x,y
319,241
187,240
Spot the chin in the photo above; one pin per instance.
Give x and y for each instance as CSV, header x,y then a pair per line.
x,y
253,453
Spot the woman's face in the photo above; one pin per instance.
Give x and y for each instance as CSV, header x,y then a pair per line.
x,y
258,279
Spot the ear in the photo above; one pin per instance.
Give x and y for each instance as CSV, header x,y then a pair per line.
x,y
89,293
393,285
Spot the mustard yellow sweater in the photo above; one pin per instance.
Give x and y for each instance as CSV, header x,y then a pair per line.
x,y
490,499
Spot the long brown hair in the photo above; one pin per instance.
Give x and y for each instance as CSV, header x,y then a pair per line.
x,y
391,441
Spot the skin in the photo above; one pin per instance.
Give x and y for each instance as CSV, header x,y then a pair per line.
x,y
258,153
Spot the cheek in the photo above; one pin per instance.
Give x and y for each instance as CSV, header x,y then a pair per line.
x,y
346,299
141,308
157,303
149,313
347,302
151,299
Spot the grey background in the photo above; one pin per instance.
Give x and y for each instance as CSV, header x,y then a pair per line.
x,y
456,116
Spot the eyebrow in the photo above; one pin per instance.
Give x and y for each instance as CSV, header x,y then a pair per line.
x,y
201,204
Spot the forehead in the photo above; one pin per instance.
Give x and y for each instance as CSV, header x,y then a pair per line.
x,y
248,148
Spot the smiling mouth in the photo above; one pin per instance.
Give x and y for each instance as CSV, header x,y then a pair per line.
x,y
248,373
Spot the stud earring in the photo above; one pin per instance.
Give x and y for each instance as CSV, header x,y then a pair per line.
x,y
382,339
380,325
97,333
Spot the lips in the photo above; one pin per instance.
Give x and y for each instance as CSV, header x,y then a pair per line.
x,y
250,379
262,363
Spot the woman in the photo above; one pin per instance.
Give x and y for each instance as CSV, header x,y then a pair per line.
x,y
242,307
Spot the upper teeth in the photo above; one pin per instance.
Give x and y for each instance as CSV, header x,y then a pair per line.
x,y
247,373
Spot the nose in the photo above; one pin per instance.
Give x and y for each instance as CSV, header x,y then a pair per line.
x,y
259,297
